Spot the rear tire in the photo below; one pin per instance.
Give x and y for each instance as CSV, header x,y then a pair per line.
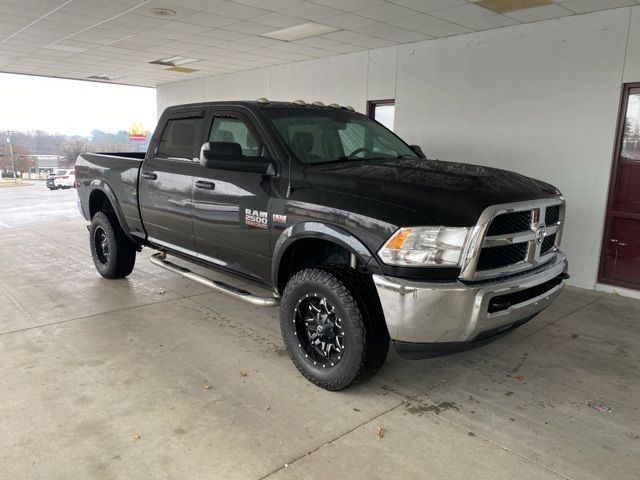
x,y
332,327
114,255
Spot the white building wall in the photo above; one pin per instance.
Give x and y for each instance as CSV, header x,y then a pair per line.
x,y
540,99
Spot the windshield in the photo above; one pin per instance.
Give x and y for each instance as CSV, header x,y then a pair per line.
x,y
331,135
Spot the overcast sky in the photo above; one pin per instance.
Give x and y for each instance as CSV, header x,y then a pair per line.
x,y
72,107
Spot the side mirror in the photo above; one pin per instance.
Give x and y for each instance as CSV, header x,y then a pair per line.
x,y
228,156
418,151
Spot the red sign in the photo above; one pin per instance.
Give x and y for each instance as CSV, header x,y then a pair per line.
x,y
137,132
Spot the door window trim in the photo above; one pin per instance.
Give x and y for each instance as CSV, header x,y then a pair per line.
x,y
613,180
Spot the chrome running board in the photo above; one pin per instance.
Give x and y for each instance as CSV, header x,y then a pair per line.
x,y
160,260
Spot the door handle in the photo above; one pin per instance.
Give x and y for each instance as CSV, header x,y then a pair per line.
x,y
149,176
205,185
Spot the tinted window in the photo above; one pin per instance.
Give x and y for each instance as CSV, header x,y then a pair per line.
x,y
228,129
181,138
325,135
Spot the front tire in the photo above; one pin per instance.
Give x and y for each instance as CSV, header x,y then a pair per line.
x,y
332,327
114,255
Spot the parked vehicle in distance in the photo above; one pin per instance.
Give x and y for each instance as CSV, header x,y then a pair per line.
x,y
359,238
66,180
62,178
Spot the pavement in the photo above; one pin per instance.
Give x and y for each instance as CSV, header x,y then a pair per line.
x,y
155,377
33,203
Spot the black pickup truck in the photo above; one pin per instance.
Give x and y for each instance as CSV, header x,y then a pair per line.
x,y
359,238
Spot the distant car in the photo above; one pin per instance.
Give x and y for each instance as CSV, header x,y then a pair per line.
x,y
62,179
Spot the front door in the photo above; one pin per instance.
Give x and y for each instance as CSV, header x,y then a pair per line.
x,y
620,262
166,183
230,216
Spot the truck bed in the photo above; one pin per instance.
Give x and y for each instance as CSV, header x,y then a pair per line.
x,y
117,175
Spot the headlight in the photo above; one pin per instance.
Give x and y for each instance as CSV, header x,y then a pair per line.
x,y
425,246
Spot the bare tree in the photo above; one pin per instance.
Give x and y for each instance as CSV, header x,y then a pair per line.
x,y
71,150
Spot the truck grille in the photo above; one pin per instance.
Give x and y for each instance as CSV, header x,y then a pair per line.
x,y
510,223
518,237
548,243
553,215
498,257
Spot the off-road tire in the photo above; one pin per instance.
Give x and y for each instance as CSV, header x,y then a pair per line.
x,y
121,252
357,304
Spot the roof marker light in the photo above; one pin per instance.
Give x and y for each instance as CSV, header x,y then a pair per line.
x,y
263,100
300,102
318,104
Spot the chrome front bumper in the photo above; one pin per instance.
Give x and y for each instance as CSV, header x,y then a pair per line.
x,y
456,312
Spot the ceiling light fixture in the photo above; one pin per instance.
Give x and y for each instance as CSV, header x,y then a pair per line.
x,y
182,69
508,6
65,48
299,32
162,12
104,77
175,61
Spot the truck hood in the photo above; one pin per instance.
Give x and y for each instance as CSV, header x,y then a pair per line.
x,y
453,194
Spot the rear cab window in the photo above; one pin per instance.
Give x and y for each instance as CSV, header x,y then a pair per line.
x,y
180,138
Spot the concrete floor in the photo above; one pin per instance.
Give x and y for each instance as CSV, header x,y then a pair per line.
x,y
157,377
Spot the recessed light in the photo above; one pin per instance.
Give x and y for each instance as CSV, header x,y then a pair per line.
x,y
65,48
162,12
508,6
175,61
182,69
299,32
104,77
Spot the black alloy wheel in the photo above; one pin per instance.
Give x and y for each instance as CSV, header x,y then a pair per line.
x,y
319,330
101,245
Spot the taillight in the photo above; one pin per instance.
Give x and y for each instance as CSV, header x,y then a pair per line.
x,y
65,177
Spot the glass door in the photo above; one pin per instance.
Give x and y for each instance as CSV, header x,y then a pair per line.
x,y
620,257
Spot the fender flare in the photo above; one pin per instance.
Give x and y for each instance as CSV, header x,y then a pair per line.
x,y
102,186
322,231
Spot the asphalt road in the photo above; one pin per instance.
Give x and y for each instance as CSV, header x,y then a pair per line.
x,y
34,204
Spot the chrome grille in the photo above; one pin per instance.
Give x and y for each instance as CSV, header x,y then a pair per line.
x,y
513,238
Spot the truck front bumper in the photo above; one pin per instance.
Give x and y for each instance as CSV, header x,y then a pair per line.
x,y
430,319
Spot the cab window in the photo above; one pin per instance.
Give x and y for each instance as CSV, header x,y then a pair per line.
x,y
180,138
235,130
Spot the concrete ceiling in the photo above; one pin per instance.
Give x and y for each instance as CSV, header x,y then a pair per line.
x,y
84,38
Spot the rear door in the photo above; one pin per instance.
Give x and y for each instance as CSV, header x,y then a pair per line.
x,y
230,220
620,262
166,182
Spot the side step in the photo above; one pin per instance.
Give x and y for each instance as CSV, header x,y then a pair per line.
x,y
160,260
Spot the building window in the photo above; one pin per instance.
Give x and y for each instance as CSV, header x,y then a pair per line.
x,y
383,111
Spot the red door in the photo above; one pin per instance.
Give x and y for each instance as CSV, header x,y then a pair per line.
x,y
620,258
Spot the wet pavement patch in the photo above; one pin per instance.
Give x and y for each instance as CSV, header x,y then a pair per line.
x,y
436,408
